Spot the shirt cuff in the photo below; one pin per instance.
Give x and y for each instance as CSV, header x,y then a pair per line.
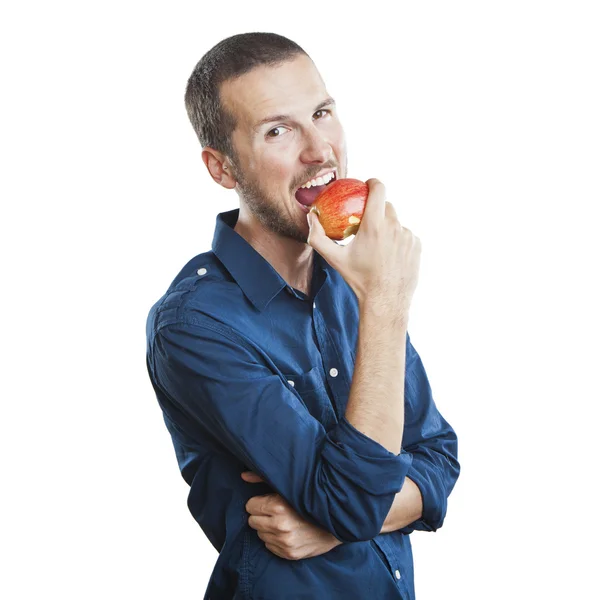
x,y
434,503
361,458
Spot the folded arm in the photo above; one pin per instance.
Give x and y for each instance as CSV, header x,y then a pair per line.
x,y
406,508
341,480
414,507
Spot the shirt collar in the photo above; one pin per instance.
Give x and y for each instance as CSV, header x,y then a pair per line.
x,y
259,281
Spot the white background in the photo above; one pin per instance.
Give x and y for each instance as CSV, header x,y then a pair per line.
x,y
481,118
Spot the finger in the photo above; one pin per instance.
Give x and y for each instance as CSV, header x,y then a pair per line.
x,y
390,211
262,523
275,549
285,552
374,212
251,477
317,238
270,538
259,505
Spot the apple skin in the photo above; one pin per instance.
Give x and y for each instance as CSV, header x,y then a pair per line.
x,y
340,207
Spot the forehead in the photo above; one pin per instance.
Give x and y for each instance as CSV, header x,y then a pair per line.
x,y
290,88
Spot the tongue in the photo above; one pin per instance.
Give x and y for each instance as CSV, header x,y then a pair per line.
x,y
308,196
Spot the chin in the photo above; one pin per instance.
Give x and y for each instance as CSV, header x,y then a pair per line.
x,y
299,237
295,233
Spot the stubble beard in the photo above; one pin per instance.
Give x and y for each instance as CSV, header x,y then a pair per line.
x,y
265,209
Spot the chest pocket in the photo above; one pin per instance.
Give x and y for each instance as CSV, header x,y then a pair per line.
x,y
312,389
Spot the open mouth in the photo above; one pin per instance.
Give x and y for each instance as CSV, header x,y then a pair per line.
x,y
306,196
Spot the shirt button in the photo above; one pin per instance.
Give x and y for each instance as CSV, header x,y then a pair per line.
x,y
314,305
201,271
333,372
291,382
397,573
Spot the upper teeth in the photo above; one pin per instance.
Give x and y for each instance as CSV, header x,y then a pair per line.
x,y
318,181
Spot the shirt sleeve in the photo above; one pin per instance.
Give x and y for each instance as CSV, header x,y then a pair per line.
x,y
341,480
431,441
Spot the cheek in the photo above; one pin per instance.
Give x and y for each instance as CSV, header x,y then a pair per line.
x,y
339,140
267,172
270,164
336,137
277,175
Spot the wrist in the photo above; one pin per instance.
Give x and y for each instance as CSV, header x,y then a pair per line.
x,y
390,311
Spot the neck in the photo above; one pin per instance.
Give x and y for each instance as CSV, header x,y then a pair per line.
x,y
293,260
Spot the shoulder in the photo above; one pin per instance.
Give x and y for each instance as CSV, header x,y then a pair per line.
x,y
201,287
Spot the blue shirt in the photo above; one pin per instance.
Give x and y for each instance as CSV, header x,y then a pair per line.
x,y
252,374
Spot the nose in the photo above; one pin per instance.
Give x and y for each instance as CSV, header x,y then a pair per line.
x,y
316,148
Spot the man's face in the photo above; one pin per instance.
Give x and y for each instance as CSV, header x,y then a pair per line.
x,y
303,140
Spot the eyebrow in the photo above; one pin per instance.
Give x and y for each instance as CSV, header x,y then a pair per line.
x,y
327,102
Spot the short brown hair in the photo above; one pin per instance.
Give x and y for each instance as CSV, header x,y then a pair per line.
x,y
230,58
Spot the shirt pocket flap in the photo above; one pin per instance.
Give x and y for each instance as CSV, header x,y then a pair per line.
x,y
305,382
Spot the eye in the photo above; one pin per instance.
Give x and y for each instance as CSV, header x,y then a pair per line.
x,y
322,110
274,129
272,135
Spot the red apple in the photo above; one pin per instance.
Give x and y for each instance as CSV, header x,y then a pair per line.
x,y
340,207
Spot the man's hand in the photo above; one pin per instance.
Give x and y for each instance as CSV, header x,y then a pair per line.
x,y
283,530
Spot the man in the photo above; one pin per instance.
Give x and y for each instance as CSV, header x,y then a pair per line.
x,y
300,412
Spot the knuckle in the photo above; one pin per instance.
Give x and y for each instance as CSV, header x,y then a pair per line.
x,y
375,227
376,186
294,554
272,549
292,537
283,526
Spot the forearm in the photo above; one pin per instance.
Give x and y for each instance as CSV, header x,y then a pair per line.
x,y
406,508
376,401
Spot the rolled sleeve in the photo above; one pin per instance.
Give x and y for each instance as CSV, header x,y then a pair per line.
x,y
363,462
360,457
340,480
433,444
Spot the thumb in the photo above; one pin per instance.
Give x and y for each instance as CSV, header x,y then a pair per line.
x,y
317,238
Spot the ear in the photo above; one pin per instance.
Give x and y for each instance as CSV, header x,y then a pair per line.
x,y
216,162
